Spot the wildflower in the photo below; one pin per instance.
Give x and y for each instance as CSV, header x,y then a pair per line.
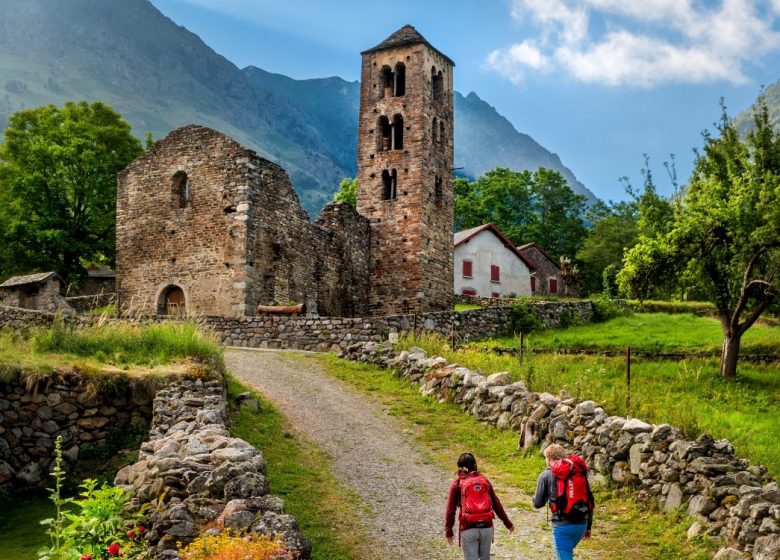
x,y
86,557
141,529
131,535
113,550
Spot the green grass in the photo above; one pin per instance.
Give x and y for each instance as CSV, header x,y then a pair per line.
x,y
652,332
21,534
622,530
107,310
107,346
466,306
298,472
689,394
657,306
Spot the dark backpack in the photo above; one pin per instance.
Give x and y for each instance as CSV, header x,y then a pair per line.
x,y
475,503
573,499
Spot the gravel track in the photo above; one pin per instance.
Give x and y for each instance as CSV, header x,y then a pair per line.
x,y
373,453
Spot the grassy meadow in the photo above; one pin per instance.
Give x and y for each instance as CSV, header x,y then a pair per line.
x,y
688,393
651,332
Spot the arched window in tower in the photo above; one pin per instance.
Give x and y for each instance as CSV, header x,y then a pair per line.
x,y
400,79
441,131
180,187
398,132
437,84
438,192
389,184
386,79
384,134
435,130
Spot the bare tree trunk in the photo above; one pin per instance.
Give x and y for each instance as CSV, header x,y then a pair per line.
x,y
730,354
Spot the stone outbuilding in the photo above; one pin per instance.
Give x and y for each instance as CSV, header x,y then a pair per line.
x,y
487,264
549,279
40,291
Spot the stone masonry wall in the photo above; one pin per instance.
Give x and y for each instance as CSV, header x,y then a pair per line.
x,y
62,405
87,303
194,475
333,333
727,497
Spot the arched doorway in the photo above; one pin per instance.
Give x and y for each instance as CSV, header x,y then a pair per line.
x,y
172,302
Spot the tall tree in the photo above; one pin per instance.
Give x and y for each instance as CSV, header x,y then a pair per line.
x,y
58,171
725,229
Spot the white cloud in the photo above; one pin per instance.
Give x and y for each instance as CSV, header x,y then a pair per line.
x,y
641,43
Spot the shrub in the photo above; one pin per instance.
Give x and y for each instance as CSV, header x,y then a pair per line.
x,y
605,309
524,317
231,546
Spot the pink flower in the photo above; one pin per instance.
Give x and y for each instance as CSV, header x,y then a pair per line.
x,y
113,550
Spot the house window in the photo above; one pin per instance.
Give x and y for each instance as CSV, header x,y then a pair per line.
x,y
495,273
533,284
471,292
467,269
495,295
553,285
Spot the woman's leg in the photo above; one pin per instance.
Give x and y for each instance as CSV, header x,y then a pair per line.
x,y
485,540
565,538
469,542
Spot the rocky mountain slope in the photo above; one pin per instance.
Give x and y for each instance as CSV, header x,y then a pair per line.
x,y
165,77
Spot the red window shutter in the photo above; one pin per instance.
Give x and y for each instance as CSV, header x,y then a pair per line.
x,y
495,273
533,284
495,295
469,292
553,286
467,269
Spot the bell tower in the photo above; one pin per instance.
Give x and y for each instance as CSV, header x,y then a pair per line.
x,y
405,165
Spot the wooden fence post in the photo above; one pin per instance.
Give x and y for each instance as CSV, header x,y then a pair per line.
x,y
522,346
628,380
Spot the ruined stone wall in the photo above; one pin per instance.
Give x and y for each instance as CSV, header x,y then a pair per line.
x,y
411,242
87,303
19,319
64,405
198,245
726,496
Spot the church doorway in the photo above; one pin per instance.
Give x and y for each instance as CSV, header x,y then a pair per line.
x,y
172,302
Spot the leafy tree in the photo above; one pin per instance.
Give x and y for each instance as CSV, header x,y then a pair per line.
x,y
525,206
58,171
725,230
347,192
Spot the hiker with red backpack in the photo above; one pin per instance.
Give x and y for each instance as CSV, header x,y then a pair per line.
x,y
564,485
473,494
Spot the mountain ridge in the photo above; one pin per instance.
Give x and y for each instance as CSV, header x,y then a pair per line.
x,y
308,126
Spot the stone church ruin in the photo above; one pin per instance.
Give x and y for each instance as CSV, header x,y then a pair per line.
x,y
207,227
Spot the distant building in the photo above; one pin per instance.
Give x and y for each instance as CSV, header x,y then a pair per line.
x,y
100,280
548,279
39,291
487,264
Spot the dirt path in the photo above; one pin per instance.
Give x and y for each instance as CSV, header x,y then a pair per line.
x,y
373,453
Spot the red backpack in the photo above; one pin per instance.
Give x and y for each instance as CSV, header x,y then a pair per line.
x,y
475,503
573,499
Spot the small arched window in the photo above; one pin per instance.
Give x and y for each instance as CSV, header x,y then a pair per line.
x,y
389,184
441,131
438,192
435,130
384,134
437,84
386,82
400,79
398,132
181,189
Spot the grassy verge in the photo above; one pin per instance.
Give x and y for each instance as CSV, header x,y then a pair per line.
x,y
652,332
298,472
466,306
745,410
622,529
21,534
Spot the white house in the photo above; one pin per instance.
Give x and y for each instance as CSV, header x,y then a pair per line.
x,y
487,264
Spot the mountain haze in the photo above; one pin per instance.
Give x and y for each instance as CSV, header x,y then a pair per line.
x,y
161,76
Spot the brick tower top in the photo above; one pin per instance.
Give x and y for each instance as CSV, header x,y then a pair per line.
x,y
405,165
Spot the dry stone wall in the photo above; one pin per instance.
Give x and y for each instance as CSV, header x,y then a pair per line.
x,y
195,475
727,497
90,302
64,405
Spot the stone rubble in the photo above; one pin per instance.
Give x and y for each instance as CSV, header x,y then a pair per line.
x,y
727,497
195,475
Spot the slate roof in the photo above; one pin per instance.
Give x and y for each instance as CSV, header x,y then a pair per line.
x,y
37,278
407,35
462,237
524,250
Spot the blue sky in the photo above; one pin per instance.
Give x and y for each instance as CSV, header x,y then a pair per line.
x,y
599,82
